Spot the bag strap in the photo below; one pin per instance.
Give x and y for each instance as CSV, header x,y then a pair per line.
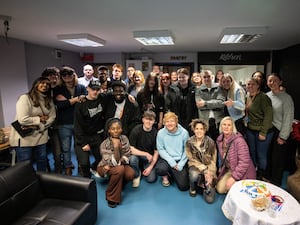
x,y
226,154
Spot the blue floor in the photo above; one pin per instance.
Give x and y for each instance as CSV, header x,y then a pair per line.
x,y
153,204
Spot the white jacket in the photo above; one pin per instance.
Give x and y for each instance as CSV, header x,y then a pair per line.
x,y
27,114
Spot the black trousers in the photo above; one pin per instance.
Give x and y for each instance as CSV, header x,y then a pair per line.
x,y
278,159
181,178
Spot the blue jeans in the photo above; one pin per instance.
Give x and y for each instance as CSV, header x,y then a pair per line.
x,y
134,162
39,152
259,149
66,134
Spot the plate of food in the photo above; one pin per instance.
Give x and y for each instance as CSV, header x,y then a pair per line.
x,y
260,203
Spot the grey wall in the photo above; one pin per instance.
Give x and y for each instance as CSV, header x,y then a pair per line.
x,y
39,57
13,76
21,63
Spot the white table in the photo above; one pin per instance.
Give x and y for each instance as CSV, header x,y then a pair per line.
x,y
238,208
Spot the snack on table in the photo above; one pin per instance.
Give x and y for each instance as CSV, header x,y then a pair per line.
x,y
260,203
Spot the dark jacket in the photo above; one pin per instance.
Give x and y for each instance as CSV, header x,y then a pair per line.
x,y
89,119
65,110
130,117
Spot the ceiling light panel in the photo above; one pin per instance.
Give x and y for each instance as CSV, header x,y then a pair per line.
x,y
241,35
155,37
81,40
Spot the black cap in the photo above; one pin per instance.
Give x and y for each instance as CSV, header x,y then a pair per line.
x,y
95,84
102,67
119,83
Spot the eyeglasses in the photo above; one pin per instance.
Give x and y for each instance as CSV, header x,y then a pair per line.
x,y
206,77
66,73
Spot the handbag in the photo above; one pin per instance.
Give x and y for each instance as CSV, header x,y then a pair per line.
x,y
23,131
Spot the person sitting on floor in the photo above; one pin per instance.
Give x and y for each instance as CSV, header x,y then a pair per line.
x,y
115,152
172,162
143,149
202,157
234,155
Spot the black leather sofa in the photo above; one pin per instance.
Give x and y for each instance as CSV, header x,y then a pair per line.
x,y
30,198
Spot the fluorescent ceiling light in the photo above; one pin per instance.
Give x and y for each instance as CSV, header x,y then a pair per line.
x,y
82,40
154,37
241,35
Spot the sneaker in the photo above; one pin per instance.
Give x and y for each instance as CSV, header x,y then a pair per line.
x,y
193,193
136,181
94,172
165,181
112,204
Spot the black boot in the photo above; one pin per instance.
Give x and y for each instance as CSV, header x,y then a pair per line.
x,y
84,171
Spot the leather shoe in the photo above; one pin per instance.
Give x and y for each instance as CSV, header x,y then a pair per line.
x,y
69,171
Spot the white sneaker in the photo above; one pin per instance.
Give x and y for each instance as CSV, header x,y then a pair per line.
x,y
94,172
136,181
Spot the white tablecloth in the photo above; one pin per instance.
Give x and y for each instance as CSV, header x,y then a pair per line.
x,y
238,208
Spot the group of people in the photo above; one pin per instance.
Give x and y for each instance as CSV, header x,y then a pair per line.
x,y
202,134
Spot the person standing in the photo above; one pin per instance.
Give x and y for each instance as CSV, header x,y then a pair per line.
x,y
283,116
137,84
218,76
259,132
211,103
184,85
104,79
130,73
52,73
235,101
172,162
170,93
174,78
119,106
149,98
89,128
88,75
261,78
34,110
66,95
117,72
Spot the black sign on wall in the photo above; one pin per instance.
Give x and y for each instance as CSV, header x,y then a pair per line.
x,y
233,58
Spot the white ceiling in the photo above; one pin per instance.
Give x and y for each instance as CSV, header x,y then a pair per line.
x,y
196,24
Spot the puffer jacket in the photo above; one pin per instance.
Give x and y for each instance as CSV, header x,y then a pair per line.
x,y
238,157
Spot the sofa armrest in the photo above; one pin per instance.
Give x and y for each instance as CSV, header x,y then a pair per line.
x,y
68,188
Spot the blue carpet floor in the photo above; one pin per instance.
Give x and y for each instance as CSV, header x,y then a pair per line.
x,y
153,204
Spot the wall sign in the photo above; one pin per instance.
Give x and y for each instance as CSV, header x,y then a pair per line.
x,y
230,57
233,58
179,57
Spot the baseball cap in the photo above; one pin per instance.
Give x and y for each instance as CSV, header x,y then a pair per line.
x,y
118,83
95,84
102,67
